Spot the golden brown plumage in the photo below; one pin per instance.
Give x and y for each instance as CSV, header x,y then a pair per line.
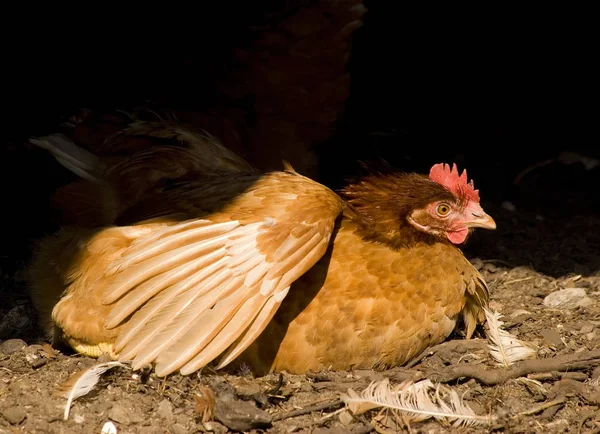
x,y
272,267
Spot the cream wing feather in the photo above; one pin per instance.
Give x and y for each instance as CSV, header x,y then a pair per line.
x,y
195,289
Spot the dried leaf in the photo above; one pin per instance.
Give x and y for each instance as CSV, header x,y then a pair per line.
x,y
205,403
82,382
505,348
415,401
47,351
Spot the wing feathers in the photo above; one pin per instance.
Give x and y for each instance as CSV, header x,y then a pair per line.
x,y
161,263
142,293
201,351
188,292
176,318
152,309
169,241
251,333
284,265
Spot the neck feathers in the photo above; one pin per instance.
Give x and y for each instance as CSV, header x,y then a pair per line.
x,y
382,203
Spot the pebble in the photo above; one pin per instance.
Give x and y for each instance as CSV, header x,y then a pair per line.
x,y
11,346
568,298
15,322
238,415
496,305
215,427
177,428
553,337
585,302
246,388
119,415
587,328
165,410
14,415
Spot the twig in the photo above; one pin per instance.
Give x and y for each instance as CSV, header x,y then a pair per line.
x,y
579,376
461,345
330,415
543,406
575,361
584,419
518,280
275,389
307,410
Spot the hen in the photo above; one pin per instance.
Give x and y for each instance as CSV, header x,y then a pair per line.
x,y
274,270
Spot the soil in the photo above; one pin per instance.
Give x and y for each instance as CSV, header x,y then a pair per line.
x,y
535,251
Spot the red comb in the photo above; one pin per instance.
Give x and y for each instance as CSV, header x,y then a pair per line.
x,y
449,178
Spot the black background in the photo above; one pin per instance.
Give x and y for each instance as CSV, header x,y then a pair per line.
x,y
495,89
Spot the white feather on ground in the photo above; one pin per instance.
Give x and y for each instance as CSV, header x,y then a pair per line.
x,y
505,348
82,383
417,401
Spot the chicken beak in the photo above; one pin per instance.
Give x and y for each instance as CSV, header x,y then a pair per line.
x,y
479,219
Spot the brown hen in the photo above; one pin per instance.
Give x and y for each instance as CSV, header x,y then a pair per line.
x,y
270,269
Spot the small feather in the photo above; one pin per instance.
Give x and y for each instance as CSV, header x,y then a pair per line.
x,y
82,382
418,401
504,347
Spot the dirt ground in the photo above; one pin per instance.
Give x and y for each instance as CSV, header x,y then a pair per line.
x,y
533,253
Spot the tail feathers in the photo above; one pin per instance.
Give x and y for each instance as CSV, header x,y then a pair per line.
x,y
79,161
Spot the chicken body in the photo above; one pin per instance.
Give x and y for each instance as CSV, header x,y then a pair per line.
x,y
365,306
273,270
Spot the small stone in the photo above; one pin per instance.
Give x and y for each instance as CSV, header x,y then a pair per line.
x,y
567,298
101,407
215,427
39,362
588,328
165,410
553,337
238,415
496,305
12,346
247,388
79,419
177,428
14,415
591,336
585,302
119,414
17,387
15,322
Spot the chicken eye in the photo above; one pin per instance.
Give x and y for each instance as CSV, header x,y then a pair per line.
x,y
443,209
